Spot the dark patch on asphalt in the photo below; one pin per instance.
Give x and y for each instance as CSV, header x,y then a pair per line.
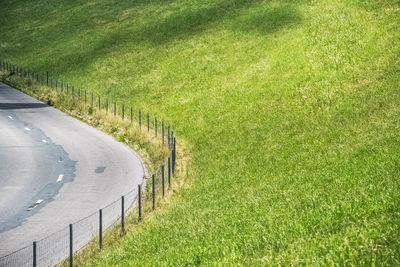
x,y
62,165
22,105
99,169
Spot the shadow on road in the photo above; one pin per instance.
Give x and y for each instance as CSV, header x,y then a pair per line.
x,y
22,105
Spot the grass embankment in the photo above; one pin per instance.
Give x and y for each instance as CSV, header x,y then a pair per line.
x,y
290,111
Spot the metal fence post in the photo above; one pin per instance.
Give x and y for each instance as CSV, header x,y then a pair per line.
x,y
79,93
51,83
106,105
123,112
67,88
56,86
162,179
72,90
148,122
99,102
91,103
34,254
71,248
131,115
115,108
100,228
85,97
140,202
140,119
122,214
155,126
169,140
174,157
169,171
62,86
154,194
162,130
47,77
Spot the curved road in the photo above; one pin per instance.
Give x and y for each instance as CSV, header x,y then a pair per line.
x,y
54,170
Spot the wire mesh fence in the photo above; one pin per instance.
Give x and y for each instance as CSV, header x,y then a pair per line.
x,y
22,257
72,238
53,248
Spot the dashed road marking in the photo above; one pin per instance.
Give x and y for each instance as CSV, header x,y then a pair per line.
x,y
44,141
60,177
11,118
34,205
26,128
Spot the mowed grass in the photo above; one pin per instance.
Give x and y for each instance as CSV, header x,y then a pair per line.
x,y
290,110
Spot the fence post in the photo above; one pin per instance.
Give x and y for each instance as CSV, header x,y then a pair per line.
x,y
122,214
162,179
169,171
100,228
140,202
123,112
131,115
162,130
155,126
62,86
56,85
47,77
154,194
174,157
34,253
148,122
51,83
91,103
99,102
172,140
140,119
79,93
72,90
169,140
85,97
71,248
115,108
67,88
106,105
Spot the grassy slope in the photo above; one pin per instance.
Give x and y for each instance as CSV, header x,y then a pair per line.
x,y
291,111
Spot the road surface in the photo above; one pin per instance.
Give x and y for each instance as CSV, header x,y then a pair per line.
x,y
54,170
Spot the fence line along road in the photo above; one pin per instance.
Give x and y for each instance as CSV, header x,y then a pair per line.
x,y
62,244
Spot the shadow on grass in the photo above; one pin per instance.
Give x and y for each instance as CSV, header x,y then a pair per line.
x,y
184,24
268,21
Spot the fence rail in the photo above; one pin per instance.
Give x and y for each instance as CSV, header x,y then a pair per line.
x,y
62,244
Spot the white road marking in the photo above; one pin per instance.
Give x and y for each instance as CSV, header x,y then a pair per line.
x,y
35,204
44,141
11,118
26,128
60,177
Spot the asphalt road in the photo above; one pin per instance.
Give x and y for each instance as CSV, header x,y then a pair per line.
x,y
54,170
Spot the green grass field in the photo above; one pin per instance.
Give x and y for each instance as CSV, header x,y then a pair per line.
x,y
290,110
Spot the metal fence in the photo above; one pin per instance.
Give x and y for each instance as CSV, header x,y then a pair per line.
x,y
62,244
